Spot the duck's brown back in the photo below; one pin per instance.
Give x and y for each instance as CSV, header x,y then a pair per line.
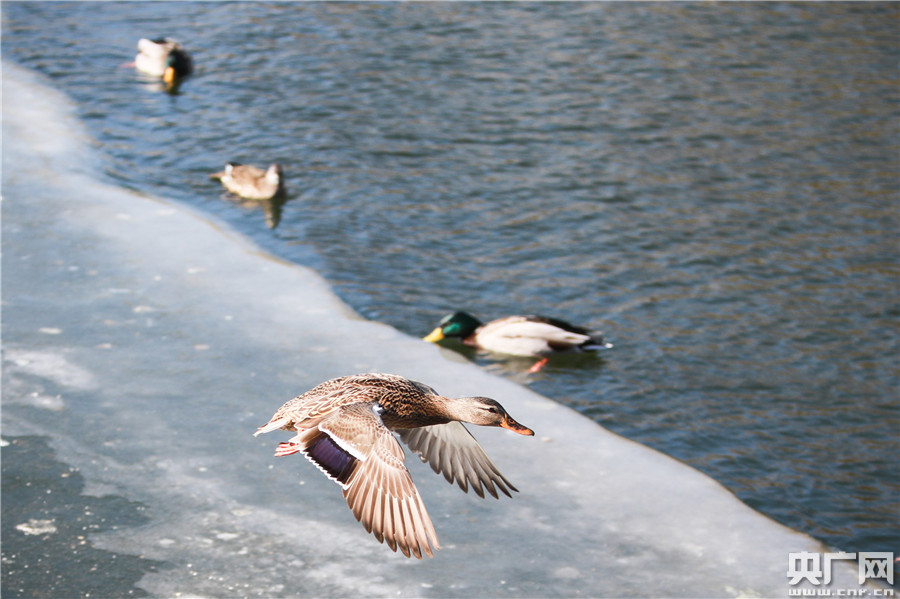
x,y
403,403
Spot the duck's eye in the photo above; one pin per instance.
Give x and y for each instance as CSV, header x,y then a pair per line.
x,y
493,410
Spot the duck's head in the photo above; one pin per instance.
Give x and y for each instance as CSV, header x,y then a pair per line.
x,y
485,411
458,324
178,65
273,174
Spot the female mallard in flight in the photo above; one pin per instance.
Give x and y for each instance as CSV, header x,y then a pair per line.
x,y
251,182
163,57
345,427
532,336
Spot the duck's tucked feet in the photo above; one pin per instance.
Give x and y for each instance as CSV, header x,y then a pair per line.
x,y
538,365
284,449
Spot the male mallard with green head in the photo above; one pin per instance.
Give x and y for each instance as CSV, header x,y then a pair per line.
x,y
345,427
531,336
251,182
163,57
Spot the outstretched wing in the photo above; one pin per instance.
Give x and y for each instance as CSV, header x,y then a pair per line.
x,y
451,450
354,448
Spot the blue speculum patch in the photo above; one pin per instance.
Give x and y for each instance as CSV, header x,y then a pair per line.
x,y
331,458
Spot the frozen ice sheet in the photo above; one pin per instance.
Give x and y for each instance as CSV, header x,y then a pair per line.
x,y
149,343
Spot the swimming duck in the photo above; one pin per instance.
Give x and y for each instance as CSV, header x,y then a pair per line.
x,y
344,426
251,182
163,57
531,336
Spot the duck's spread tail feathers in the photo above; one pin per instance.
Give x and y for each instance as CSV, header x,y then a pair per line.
x,y
272,425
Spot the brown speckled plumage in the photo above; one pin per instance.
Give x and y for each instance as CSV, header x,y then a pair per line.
x,y
251,182
344,426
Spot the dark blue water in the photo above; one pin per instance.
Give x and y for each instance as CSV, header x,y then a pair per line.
x,y
715,187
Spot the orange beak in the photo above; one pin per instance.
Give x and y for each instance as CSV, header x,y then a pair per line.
x,y
512,425
434,336
169,76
